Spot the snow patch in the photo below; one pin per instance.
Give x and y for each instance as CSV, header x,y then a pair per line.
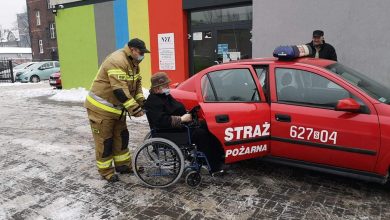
x,y
71,95
78,95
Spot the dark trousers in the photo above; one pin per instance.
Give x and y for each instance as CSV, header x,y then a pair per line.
x,y
206,144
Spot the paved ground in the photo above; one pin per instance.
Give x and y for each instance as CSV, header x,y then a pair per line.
x,y
48,172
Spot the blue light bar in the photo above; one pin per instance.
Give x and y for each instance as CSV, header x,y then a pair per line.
x,y
292,51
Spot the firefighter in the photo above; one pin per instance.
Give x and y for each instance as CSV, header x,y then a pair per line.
x,y
115,92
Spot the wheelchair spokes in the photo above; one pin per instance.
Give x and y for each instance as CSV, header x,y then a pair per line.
x,y
161,162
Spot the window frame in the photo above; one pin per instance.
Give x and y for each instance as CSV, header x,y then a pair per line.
x,y
266,89
38,17
52,31
249,68
40,46
49,6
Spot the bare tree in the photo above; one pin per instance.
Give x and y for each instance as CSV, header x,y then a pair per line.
x,y
22,27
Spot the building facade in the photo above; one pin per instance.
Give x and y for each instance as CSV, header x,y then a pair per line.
x,y
23,28
186,36
43,37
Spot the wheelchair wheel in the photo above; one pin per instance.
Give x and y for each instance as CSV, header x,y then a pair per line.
x,y
193,178
158,162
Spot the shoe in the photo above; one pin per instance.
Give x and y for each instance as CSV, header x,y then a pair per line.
x,y
123,170
218,173
112,179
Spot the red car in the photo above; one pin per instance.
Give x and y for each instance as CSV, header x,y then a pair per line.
x,y
305,112
55,80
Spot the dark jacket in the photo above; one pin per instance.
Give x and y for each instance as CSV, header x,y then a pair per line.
x,y
163,111
327,51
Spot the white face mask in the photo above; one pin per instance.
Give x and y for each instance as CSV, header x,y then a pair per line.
x,y
140,58
166,91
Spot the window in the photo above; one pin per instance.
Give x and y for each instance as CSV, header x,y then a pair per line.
x,y
370,87
299,86
38,17
47,65
233,85
49,6
40,46
57,64
222,15
262,75
52,31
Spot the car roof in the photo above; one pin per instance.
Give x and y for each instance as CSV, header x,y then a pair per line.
x,y
267,60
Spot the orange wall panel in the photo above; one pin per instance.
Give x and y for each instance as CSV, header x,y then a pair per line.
x,y
168,16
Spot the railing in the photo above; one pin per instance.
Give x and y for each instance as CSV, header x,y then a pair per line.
x,y
6,71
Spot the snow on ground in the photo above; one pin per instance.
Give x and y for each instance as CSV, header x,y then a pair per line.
x,y
48,171
71,95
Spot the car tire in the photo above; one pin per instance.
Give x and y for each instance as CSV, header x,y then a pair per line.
x,y
35,79
59,87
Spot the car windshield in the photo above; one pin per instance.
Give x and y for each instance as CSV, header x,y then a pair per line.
x,y
23,65
369,86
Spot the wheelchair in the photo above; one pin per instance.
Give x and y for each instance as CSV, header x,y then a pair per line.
x,y
166,155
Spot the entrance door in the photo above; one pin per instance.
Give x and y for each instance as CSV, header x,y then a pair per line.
x,y
218,36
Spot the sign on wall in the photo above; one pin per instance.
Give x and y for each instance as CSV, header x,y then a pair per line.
x,y
166,51
57,2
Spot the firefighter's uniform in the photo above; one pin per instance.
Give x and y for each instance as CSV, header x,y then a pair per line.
x,y
117,87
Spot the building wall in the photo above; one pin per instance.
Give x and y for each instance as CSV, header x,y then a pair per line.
x,y
77,46
42,31
358,29
169,17
88,33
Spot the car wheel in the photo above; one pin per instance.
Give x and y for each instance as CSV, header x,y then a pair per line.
x,y
34,79
59,87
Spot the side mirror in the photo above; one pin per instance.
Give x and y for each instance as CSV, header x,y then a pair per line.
x,y
348,105
41,68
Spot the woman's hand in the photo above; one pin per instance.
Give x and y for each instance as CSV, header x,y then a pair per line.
x,y
186,118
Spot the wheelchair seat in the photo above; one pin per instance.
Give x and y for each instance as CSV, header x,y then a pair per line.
x,y
178,136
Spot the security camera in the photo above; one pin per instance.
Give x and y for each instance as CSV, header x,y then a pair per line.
x,y
60,6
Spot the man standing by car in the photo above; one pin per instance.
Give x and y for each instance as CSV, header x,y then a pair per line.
x,y
116,90
320,48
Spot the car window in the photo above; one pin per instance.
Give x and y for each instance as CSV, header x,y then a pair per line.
x,y
207,90
47,65
232,85
299,86
262,75
374,89
57,64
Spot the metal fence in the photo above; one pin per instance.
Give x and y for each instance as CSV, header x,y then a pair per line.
x,y
6,71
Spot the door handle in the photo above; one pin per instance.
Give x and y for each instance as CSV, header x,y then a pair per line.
x,y
283,118
222,118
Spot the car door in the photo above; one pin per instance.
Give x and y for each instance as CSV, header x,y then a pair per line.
x,y
49,69
305,125
236,112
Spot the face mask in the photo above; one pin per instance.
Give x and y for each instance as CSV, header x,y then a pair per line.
x,y
140,58
166,91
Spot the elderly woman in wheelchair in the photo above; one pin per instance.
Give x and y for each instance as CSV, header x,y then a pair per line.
x,y
177,143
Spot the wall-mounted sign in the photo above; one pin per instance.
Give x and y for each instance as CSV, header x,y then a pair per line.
x,y
166,51
223,48
58,2
197,36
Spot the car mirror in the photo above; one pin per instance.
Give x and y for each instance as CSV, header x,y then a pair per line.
x,y
41,68
348,105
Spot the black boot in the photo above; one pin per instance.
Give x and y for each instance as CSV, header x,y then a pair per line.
x,y
112,179
123,169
